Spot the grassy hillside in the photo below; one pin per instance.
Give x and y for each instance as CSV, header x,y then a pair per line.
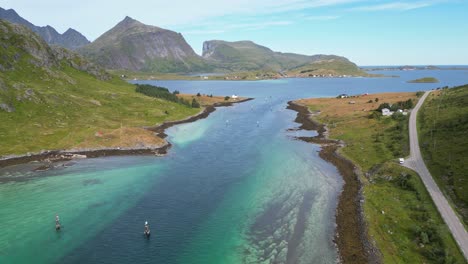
x,y
328,67
402,219
50,99
443,126
242,56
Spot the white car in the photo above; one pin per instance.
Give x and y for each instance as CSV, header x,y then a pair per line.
x,y
401,160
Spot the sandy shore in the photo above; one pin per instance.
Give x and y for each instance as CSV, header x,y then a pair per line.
x,y
351,234
51,156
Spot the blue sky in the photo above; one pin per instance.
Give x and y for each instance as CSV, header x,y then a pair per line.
x,y
379,32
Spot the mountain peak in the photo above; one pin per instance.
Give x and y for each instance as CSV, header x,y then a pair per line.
x,y
11,11
48,33
127,18
135,46
128,21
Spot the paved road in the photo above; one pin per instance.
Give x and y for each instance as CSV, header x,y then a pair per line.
x,y
416,163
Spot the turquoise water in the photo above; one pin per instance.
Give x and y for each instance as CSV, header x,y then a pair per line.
x,y
235,188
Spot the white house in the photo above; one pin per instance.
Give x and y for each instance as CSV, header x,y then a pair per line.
x,y
234,96
386,112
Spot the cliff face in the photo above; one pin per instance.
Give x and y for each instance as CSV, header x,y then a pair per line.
x,y
71,39
132,45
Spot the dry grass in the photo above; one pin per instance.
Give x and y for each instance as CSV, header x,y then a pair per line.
x,y
334,107
125,137
350,122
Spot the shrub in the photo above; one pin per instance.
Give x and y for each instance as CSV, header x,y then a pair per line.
x,y
375,115
198,94
226,98
195,104
382,106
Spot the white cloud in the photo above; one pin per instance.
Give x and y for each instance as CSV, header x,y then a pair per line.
x,y
321,17
237,26
398,6
259,25
204,32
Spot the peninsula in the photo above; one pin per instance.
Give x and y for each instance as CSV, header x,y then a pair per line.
x,y
391,193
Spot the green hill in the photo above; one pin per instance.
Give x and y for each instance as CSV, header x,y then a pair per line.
x,y
443,126
241,56
328,67
51,98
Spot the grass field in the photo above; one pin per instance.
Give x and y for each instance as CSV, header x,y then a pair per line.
x,y
443,126
377,139
402,220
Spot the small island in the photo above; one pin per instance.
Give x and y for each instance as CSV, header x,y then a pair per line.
x,y
425,80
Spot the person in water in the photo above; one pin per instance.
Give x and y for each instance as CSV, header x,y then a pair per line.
x,y
57,222
147,231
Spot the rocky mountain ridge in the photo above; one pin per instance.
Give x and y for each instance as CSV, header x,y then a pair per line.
x,y
132,45
70,39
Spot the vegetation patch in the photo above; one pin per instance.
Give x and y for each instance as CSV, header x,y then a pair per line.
x,y
425,80
443,126
163,93
403,221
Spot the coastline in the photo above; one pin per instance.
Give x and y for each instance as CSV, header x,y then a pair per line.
x,y
51,156
351,237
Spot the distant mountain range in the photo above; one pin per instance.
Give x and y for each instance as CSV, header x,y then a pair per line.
x,y
70,39
132,45
136,47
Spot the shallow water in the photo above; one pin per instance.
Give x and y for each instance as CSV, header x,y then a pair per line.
x,y
235,188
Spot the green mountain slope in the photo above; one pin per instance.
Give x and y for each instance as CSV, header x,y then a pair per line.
x,y
134,46
443,126
249,56
51,98
328,67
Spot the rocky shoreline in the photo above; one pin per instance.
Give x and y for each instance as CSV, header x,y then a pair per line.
x,y
51,156
351,235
